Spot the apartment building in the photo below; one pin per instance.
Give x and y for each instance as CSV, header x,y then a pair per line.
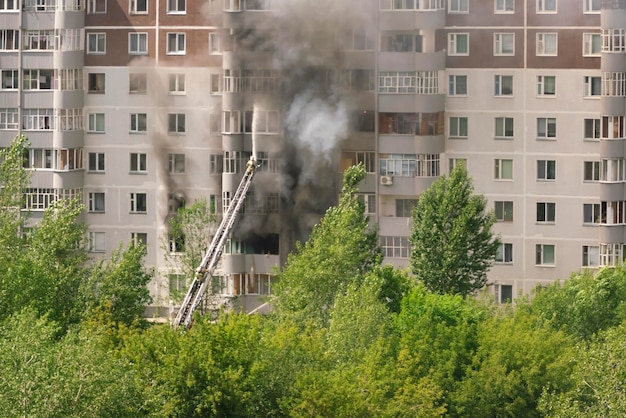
x,y
141,106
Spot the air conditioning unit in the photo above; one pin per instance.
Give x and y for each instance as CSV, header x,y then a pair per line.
x,y
386,180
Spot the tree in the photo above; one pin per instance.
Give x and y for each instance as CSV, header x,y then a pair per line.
x,y
341,249
451,238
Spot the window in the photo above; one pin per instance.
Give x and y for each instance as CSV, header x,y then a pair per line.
x,y
96,202
503,85
138,7
9,118
503,169
458,44
138,163
593,86
95,82
612,254
547,44
137,83
453,162
503,211
592,129
613,170
214,43
395,247
139,238
546,170
96,43
369,200
593,6
137,43
9,5
399,82
176,243
178,284
592,213
138,203
591,256
404,207
138,122
613,127
96,161
546,6
37,79
96,123
176,83
504,253
38,40
592,44
9,40
216,163
97,242
503,293
458,127
359,39
503,44
176,123
504,6
176,6
96,6
215,84
458,85
546,212
613,40
591,170
614,84
544,254
176,44
409,165
546,128
10,79
38,119
232,122
504,128
458,6
176,163
401,42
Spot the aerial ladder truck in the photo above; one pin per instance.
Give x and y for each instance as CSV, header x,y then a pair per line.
x,y
204,272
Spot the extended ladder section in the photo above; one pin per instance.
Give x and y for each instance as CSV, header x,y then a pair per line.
x,y
204,272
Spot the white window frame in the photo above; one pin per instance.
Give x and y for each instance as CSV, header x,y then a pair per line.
x,y
453,44
4,6
134,7
540,255
614,40
178,121
96,83
499,169
595,129
136,123
100,43
453,84
588,6
504,253
498,43
96,123
547,211
176,37
458,127
99,162
176,163
592,87
141,38
215,83
453,162
174,7
501,125
544,6
138,163
214,43
139,237
591,256
10,39
541,40
136,200
92,7
541,86
591,171
544,167
96,202
503,208
588,44
498,85
10,79
137,83
176,83
545,124
97,242
504,6
458,6
592,213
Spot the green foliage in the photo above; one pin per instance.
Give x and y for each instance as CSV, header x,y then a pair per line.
x,y
341,249
600,374
515,361
584,304
451,239
13,180
118,285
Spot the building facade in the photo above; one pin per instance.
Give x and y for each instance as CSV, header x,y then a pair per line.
x,y
141,106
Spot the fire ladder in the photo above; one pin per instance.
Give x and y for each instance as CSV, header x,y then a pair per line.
x,y
204,272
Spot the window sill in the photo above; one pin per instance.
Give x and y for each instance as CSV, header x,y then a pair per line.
x,y
96,211
503,138
503,263
545,265
96,172
176,53
138,172
138,53
503,180
95,53
458,137
138,132
95,132
138,213
177,93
